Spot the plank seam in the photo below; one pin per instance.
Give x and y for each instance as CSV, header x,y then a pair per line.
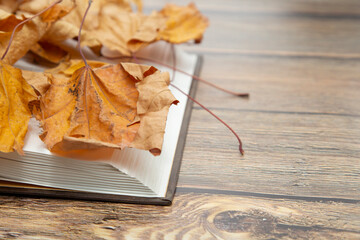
x,y
281,112
265,195
273,54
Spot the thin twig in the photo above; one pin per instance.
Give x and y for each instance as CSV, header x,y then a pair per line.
x,y
208,110
173,54
188,74
214,115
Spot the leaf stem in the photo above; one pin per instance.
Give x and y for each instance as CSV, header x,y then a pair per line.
x,y
173,61
214,115
23,22
245,95
79,36
201,105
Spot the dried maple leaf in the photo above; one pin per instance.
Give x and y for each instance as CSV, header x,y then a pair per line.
x,y
68,26
15,95
118,25
32,31
127,32
115,26
108,106
183,24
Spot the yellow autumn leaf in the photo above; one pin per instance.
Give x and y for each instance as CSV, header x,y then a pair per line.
x,y
183,24
15,95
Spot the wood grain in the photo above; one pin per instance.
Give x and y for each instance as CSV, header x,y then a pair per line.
x,y
192,216
284,84
300,177
280,7
293,154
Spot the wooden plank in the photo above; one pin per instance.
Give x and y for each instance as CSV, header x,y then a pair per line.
x,y
282,27
282,84
288,154
282,34
192,216
327,7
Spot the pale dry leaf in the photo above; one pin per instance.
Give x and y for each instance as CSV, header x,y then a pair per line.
x,y
68,27
38,80
113,24
128,32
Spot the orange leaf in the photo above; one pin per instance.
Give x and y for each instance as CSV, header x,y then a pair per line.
x,y
15,95
7,23
108,106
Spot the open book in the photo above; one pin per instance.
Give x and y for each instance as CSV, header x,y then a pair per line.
x,y
128,175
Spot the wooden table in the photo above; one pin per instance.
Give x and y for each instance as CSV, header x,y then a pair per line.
x,y
299,179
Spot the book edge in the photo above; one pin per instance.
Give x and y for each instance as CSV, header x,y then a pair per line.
x,y
175,171
173,179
